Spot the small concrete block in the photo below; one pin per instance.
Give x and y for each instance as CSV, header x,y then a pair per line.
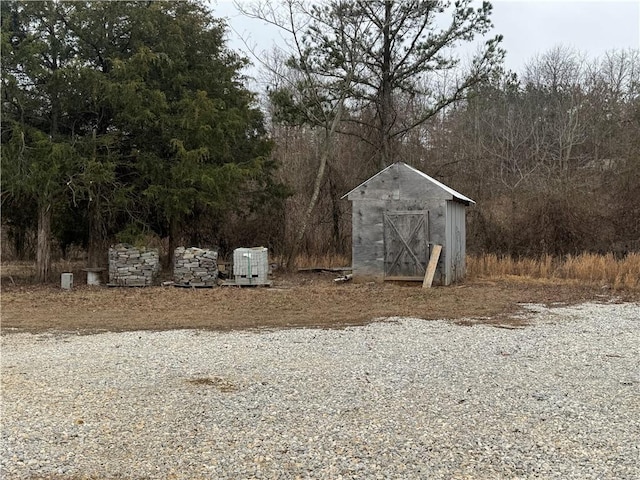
x,y
66,281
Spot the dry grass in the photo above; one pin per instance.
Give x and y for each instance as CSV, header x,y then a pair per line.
x,y
294,300
25,272
312,261
587,268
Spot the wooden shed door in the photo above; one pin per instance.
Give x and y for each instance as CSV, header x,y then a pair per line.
x,y
406,244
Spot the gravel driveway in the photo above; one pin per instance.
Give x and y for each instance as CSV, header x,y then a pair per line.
x,y
406,399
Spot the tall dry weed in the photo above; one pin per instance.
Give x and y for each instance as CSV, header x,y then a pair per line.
x,y
311,261
590,268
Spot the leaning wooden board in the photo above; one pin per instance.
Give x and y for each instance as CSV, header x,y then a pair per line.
x,y
431,267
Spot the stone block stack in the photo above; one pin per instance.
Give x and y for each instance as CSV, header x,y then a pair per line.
x,y
133,267
195,267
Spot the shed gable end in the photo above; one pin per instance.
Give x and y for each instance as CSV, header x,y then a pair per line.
x,y
399,181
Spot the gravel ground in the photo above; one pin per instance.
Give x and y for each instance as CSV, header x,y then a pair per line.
x,y
404,398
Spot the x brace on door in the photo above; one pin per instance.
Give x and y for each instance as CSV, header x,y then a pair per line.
x,y
405,243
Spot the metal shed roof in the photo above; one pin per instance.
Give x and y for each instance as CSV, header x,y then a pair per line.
x,y
451,191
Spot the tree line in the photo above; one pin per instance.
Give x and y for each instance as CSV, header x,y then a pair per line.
x,y
121,118
551,154
128,119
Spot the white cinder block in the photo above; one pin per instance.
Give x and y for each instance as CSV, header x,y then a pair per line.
x,y
66,281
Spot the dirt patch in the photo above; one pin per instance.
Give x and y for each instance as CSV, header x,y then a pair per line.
x,y
221,384
303,300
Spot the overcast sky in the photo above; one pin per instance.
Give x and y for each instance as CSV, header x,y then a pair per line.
x,y
529,27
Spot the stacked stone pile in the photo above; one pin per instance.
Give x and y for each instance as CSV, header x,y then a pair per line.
x,y
133,267
195,267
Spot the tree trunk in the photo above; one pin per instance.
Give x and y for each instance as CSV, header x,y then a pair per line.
x,y
317,184
173,242
96,224
386,121
19,237
336,215
43,254
95,251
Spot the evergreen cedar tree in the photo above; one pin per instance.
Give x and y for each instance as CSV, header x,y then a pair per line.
x,y
124,116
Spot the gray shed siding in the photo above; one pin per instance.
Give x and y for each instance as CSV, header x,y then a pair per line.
x,y
367,247
400,188
455,242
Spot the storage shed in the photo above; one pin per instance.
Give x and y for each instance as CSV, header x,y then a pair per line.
x,y
398,215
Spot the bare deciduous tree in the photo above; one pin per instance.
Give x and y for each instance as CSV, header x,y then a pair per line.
x,y
305,92
404,50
